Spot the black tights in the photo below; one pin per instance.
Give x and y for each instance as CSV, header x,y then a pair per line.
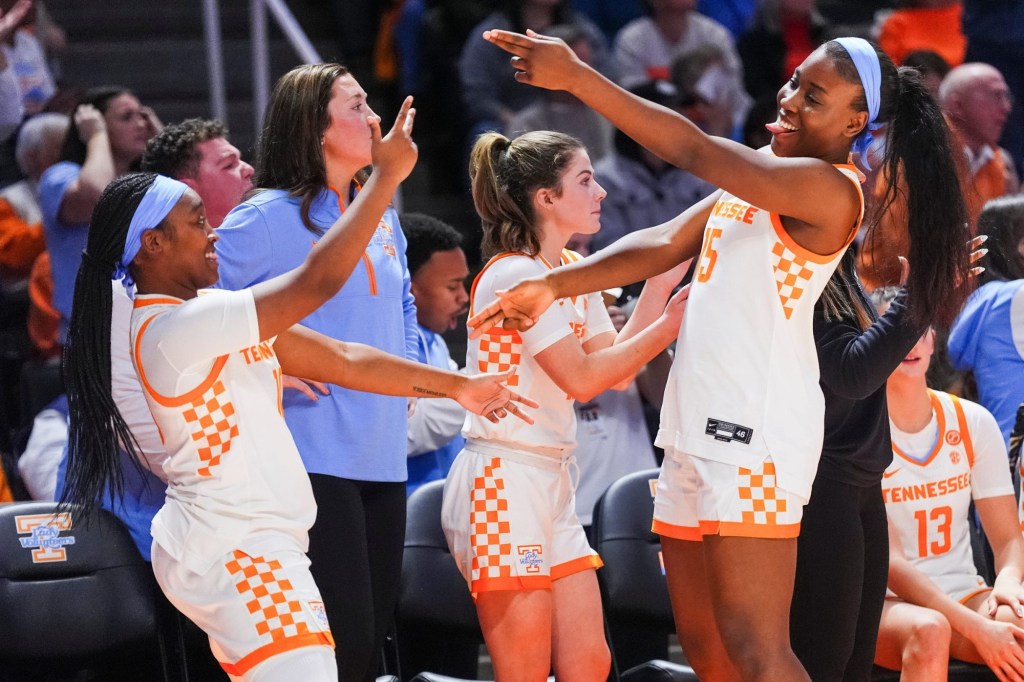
x,y
355,548
841,571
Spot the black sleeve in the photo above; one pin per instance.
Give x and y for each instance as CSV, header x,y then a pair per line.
x,y
854,363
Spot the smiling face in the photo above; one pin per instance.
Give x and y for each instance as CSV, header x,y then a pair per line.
x,y
189,255
347,138
574,206
815,112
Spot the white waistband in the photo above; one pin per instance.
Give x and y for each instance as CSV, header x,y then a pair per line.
x,y
542,458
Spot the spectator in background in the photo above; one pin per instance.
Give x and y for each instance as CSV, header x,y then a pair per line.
x,y
646,47
644,190
107,137
490,96
25,55
21,230
712,100
995,35
197,152
438,268
561,112
781,36
11,107
987,337
977,101
932,67
923,25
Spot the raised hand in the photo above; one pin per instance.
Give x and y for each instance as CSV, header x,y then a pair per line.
x,y
539,60
517,308
977,253
153,123
10,21
395,154
89,122
487,395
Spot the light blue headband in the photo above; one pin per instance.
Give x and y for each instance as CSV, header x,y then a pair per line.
x,y
866,60
158,201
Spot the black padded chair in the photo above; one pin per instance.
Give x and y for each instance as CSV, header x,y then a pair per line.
x,y
76,598
436,621
637,609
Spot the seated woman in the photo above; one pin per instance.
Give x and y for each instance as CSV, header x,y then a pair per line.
x,y
947,452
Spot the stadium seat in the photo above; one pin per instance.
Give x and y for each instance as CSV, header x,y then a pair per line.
x,y
436,621
636,603
77,599
659,671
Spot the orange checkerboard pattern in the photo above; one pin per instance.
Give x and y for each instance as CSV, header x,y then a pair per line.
x,y
214,423
490,535
791,276
500,351
757,495
277,617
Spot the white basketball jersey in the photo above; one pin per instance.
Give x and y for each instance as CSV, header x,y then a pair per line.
x,y
233,471
744,384
499,350
934,475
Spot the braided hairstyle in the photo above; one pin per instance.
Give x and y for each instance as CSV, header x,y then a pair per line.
x,y
97,430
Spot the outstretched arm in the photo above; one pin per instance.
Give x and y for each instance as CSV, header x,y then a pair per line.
x,y
637,256
779,185
288,298
309,354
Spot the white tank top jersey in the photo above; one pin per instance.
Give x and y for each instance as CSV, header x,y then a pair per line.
x,y
744,385
934,475
235,479
498,350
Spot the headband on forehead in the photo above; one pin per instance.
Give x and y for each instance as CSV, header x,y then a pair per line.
x,y
870,71
158,201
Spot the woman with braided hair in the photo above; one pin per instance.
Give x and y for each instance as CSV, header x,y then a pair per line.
x,y
229,543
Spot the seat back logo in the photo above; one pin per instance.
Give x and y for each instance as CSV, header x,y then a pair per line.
x,y
45,540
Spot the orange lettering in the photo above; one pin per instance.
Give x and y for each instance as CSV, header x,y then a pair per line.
x,y
245,354
748,216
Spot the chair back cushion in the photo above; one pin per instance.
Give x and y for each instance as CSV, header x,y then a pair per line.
x,y
633,578
433,592
71,584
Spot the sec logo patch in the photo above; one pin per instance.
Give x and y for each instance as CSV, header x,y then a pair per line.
x,y
953,437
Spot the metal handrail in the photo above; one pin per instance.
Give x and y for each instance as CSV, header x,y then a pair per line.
x,y
259,44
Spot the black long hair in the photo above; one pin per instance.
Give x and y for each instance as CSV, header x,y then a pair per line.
x,y
921,172
97,430
1002,219
100,97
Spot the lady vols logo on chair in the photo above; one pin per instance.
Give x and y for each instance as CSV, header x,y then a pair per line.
x,y
45,539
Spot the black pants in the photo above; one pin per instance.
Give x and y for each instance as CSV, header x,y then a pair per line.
x,y
842,567
355,548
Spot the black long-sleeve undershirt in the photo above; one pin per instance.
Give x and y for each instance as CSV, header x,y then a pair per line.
x,y
854,366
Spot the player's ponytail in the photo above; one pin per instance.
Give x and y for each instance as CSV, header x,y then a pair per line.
x,y
921,178
921,170
97,430
504,176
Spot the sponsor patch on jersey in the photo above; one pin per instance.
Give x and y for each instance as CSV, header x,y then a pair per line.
x,y
727,431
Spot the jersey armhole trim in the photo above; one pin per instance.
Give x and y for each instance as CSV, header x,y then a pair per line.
x,y
173,401
791,244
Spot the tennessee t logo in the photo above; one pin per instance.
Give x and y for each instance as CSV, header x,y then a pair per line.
x,y
45,541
